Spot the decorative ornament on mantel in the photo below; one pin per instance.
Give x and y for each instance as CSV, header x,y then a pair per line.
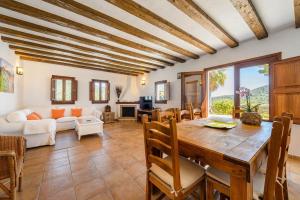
x,y
250,115
118,91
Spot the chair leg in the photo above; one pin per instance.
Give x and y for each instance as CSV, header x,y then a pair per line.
x,y
148,189
13,193
209,190
285,190
20,182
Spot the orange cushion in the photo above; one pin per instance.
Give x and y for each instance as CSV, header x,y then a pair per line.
x,y
33,116
76,112
58,113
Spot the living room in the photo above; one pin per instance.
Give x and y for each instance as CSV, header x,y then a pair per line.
x,y
83,82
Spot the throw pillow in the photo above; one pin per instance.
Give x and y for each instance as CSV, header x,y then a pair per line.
x,y
57,113
76,112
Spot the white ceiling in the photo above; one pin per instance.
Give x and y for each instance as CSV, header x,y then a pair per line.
x,y
275,14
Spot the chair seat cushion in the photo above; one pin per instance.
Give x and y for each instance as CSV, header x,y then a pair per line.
x,y
223,177
190,172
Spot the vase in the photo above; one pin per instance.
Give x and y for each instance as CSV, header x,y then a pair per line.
x,y
251,118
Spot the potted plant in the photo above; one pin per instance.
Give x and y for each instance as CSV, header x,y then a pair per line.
x,y
118,91
250,114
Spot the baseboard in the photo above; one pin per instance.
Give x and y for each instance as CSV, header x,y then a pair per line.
x,y
294,157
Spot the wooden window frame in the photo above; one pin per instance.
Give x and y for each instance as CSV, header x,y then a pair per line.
x,y
237,66
73,92
155,90
92,91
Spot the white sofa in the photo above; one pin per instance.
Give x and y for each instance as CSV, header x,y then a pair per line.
x,y
41,132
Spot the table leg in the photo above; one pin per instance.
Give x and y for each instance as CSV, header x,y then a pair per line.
x,y
240,188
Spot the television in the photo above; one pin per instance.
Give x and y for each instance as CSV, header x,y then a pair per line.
x,y
146,103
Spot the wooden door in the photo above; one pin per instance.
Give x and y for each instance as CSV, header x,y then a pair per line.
x,y
286,87
192,89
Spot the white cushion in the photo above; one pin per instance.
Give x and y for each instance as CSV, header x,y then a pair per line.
x,y
17,116
189,172
223,177
66,119
26,111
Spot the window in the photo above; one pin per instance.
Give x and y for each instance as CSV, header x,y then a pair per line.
x,y
259,88
225,82
99,91
161,91
63,90
221,91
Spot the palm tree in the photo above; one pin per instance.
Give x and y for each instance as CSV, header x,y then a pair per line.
x,y
216,79
264,70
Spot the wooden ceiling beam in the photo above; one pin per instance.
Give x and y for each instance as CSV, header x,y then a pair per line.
x,y
251,17
43,15
45,30
93,14
63,56
28,36
150,17
297,12
73,62
192,10
76,55
72,65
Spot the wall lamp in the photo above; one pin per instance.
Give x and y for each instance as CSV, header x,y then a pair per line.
x,y
19,70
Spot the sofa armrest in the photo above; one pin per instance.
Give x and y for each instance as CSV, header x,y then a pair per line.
x,y
15,128
98,114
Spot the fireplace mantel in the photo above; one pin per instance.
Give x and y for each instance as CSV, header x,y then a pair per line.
x,y
128,102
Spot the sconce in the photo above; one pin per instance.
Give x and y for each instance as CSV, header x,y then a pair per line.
x,y
19,70
143,81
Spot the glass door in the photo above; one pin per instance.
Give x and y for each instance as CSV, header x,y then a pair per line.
x,y
256,79
221,91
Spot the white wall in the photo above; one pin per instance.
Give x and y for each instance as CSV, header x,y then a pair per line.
x,y
10,101
287,42
37,76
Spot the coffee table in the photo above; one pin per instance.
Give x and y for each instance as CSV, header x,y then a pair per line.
x,y
88,125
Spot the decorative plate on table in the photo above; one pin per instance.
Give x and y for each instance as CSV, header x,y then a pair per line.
x,y
221,125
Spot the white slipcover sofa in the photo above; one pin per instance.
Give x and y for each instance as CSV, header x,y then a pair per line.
x,y
41,132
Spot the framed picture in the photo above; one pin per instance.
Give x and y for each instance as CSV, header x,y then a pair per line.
x,y
6,77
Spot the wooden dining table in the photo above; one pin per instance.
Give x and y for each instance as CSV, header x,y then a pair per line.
x,y
239,151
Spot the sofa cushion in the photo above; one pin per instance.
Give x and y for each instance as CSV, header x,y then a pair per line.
x,y
57,113
34,116
66,119
17,116
76,112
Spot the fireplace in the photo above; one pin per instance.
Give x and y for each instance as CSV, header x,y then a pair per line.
x,y
128,111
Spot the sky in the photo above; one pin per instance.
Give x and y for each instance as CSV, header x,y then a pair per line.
x,y
250,78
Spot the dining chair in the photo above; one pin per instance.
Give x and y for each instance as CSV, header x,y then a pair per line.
x,y
164,116
176,112
176,177
187,113
287,120
12,150
264,185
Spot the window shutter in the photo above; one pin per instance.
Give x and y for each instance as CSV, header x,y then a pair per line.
x,y
108,91
53,90
91,90
74,90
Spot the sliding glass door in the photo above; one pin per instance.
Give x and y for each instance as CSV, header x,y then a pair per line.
x,y
256,78
221,91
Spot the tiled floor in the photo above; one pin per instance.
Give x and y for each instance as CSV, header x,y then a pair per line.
x,y
105,168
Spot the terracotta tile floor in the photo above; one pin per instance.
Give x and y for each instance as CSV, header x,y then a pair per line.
x,y
99,168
